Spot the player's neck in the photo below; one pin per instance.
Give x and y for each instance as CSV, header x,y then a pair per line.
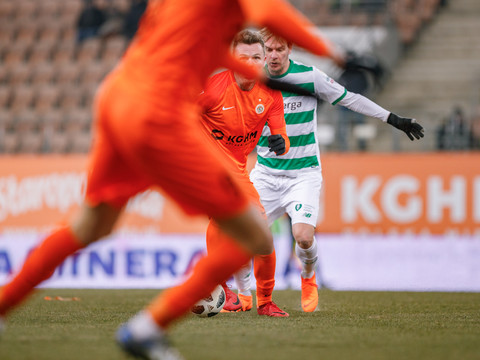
x,y
244,84
247,86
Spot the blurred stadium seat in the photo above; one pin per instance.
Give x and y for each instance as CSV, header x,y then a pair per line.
x,y
49,8
52,121
25,9
64,53
50,32
11,142
114,49
81,142
6,35
72,98
94,73
58,142
19,74
69,10
78,120
40,52
31,142
67,74
27,33
4,97
47,97
22,98
7,121
14,54
7,9
43,74
27,120
88,51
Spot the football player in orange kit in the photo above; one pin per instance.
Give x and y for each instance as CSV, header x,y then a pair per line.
x,y
148,134
235,110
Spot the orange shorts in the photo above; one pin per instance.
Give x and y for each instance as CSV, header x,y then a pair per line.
x,y
144,142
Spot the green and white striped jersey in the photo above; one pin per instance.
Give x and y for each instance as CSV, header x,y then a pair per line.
x,y
301,119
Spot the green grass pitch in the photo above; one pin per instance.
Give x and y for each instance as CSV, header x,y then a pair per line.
x,y
347,325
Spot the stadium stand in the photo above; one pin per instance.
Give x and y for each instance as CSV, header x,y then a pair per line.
x,y
45,76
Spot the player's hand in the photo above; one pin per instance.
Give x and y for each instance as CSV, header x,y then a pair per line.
x,y
409,126
276,143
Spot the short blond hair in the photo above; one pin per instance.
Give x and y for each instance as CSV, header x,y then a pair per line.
x,y
266,35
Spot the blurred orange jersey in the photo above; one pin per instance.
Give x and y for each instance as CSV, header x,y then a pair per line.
x,y
147,118
235,118
180,43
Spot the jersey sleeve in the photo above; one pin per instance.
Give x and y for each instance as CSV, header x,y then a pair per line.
x,y
365,106
276,119
328,89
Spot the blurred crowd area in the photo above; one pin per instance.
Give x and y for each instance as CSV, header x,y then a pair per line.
x,y
54,54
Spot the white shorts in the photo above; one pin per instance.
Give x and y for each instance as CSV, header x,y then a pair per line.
x,y
298,196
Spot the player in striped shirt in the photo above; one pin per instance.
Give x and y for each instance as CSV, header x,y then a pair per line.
x,y
291,183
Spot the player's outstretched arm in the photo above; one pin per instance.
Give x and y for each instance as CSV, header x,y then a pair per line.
x,y
286,21
410,126
288,87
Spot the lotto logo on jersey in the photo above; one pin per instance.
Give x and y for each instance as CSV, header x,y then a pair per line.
x,y
234,139
217,134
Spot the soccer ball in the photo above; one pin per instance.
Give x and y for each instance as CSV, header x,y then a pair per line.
x,y
212,304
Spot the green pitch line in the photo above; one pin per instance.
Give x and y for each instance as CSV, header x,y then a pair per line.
x,y
348,325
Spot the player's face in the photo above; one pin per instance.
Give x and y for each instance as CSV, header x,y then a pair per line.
x,y
252,54
278,53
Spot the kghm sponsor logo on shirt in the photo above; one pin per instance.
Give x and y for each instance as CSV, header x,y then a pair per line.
x,y
234,139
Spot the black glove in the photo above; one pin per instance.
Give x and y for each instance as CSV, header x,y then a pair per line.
x,y
409,126
276,143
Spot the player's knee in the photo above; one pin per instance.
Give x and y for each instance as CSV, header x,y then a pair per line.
x,y
305,244
265,244
303,237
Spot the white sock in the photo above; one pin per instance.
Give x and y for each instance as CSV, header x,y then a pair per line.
x,y
143,326
308,257
243,279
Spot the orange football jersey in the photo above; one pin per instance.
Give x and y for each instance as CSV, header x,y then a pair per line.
x,y
234,118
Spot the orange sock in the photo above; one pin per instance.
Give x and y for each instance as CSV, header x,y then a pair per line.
x,y
264,270
223,259
39,266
